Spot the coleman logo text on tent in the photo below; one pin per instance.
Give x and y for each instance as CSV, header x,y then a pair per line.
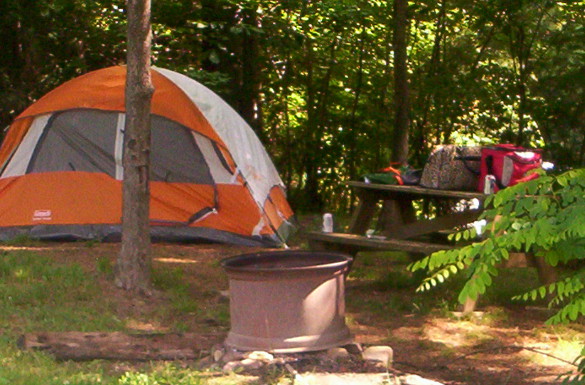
x,y
42,215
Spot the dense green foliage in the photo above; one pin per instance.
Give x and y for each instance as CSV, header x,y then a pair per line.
x,y
544,217
314,78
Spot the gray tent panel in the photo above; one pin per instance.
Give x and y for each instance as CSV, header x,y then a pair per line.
x,y
85,140
113,233
79,140
175,156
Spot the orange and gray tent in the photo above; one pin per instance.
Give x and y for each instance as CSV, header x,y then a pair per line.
x,y
211,178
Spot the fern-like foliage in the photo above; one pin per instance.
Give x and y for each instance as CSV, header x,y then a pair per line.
x,y
545,217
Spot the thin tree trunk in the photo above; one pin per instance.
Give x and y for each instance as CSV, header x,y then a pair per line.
x,y
401,93
399,211
352,152
420,134
383,125
134,263
250,106
317,124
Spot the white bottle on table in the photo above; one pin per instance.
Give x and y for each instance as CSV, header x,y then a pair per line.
x,y
327,223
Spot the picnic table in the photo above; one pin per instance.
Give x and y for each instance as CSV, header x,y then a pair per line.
x,y
400,230
397,227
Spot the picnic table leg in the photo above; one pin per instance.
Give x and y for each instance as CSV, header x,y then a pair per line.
x,y
546,273
469,305
395,213
364,213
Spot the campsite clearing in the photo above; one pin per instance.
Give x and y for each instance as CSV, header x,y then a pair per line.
x,y
68,287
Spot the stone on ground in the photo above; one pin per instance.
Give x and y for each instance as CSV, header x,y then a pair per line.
x,y
383,354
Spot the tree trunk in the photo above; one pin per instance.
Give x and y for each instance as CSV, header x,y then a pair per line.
x,y
134,263
392,210
401,93
250,105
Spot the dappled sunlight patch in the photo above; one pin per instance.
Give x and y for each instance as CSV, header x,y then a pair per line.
x,y
176,260
21,248
555,353
456,334
146,326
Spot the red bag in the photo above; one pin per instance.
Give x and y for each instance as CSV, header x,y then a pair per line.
x,y
508,164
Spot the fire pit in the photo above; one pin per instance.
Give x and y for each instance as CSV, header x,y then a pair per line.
x,y
287,301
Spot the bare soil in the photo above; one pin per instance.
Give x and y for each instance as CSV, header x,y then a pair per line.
x,y
500,345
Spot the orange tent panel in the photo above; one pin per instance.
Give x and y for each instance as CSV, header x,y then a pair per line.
x,y
60,198
238,212
175,203
104,90
72,198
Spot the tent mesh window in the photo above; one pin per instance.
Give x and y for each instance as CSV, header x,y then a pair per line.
x,y
85,140
77,140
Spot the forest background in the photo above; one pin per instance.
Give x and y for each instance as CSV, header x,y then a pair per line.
x,y
315,78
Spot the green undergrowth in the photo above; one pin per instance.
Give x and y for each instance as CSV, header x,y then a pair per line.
x,y
38,294
387,273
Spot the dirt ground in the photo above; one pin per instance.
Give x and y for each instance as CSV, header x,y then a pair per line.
x,y
498,346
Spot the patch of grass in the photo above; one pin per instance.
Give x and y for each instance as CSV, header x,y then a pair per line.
x,y
21,240
172,281
168,278
104,266
509,283
37,368
165,374
173,374
396,279
480,338
221,314
374,266
389,306
92,242
38,294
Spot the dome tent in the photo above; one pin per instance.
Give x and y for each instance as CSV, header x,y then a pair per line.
x,y
211,178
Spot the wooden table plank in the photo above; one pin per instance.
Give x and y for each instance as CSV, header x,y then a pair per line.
x,y
366,243
415,192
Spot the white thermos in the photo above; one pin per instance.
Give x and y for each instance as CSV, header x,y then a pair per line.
x,y
489,185
327,223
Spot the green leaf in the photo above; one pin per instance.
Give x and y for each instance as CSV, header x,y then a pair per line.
x,y
214,57
573,311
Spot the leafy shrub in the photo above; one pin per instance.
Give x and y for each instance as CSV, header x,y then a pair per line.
x,y
544,217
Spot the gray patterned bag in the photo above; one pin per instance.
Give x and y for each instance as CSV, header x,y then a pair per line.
x,y
451,167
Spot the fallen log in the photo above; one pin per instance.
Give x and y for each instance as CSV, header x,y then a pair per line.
x,y
81,346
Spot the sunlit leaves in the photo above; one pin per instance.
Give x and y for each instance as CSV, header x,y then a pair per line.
x,y
545,217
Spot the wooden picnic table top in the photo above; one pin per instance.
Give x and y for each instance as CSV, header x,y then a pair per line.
x,y
414,191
